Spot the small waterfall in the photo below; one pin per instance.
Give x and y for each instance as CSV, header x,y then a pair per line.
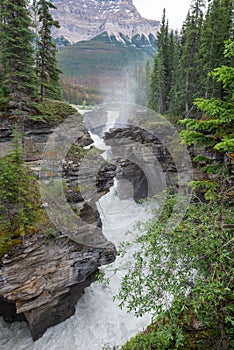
x,y
98,321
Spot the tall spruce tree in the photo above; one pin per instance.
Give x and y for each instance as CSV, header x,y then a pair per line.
x,y
18,77
46,62
142,78
19,195
175,101
163,47
213,132
156,84
148,69
161,78
217,27
200,51
189,47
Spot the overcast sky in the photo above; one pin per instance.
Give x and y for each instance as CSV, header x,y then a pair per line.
x,y
176,10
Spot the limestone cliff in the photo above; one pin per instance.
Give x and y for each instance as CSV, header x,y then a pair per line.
x,y
85,19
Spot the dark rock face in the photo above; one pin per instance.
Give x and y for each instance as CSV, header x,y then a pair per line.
x,y
131,164
101,177
42,279
8,311
64,309
133,173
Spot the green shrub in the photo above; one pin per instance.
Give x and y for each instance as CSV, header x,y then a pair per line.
x,y
19,196
50,111
192,263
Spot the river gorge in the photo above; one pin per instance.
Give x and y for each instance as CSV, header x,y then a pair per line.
x,y
143,167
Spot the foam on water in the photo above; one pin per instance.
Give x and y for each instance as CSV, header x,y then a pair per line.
x,y
98,321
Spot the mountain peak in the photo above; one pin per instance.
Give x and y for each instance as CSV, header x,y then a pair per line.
x,y
85,19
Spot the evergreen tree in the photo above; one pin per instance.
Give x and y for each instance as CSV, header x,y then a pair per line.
x,y
191,262
161,78
148,69
142,78
16,57
163,47
157,84
190,41
217,27
200,51
47,70
175,101
214,133
181,68
19,196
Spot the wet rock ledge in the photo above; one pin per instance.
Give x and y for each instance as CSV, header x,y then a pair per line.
x,y
41,281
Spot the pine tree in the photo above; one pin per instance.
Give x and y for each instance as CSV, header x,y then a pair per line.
x,y
142,78
214,133
180,72
47,70
217,27
175,101
156,85
147,80
189,46
163,46
19,196
161,78
16,57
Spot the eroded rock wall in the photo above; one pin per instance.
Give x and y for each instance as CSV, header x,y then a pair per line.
x,y
42,278
145,153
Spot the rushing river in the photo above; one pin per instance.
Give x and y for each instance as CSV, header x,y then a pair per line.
x,y
98,322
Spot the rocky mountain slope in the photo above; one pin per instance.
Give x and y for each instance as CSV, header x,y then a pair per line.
x,y
105,54
85,19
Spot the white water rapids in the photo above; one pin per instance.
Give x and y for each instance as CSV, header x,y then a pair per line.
x,y
98,321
